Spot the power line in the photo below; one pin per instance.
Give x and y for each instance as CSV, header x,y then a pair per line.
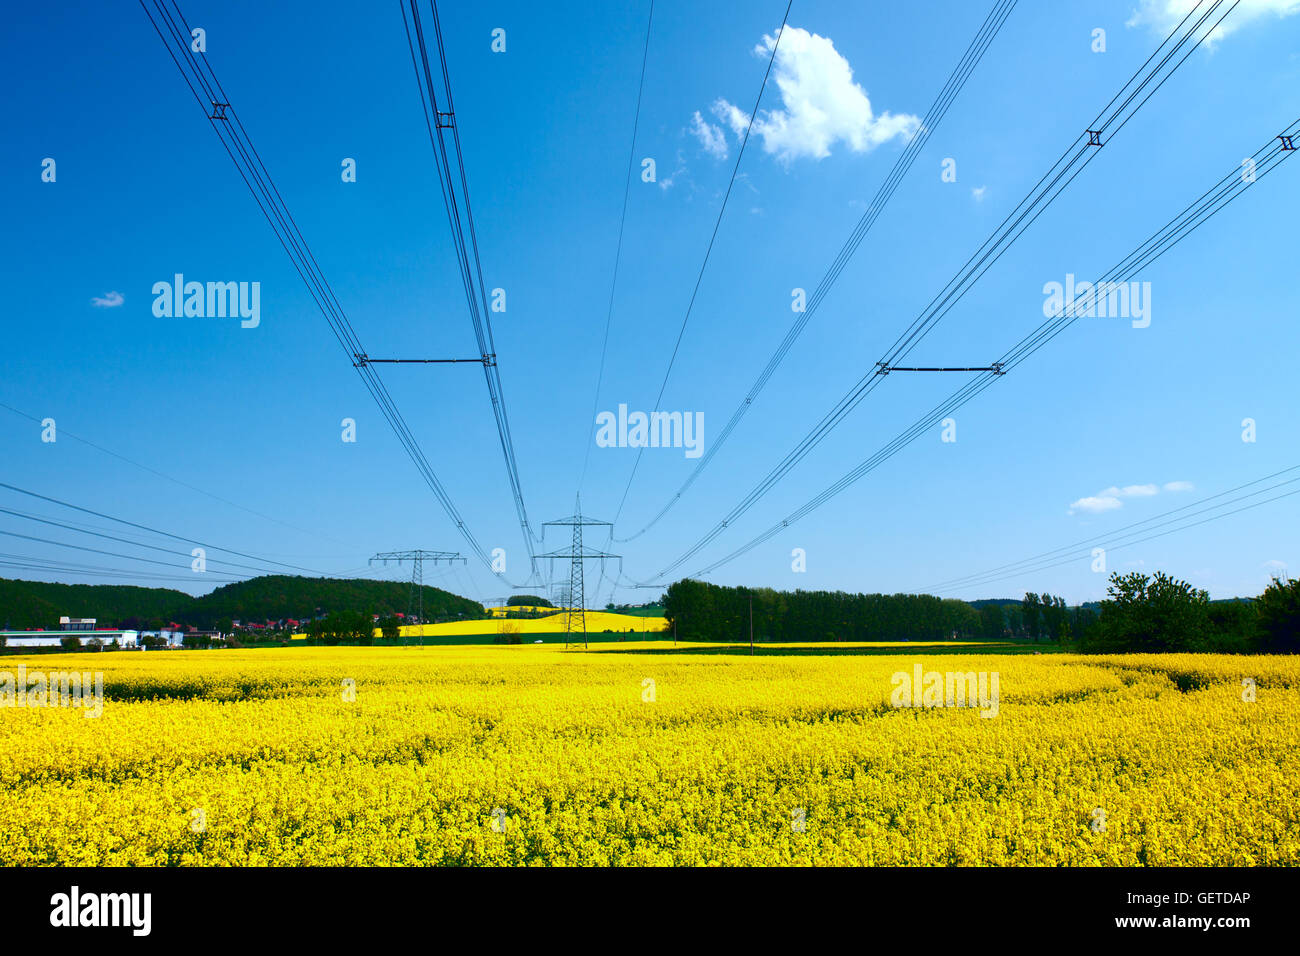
x,y
224,119
24,562
64,433
137,544
1213,200
709,251
90,571
938,109
1071,552
166,534
1089,541
1026,212
618,249
80,547
471,266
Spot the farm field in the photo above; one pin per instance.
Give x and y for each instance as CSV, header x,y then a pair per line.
x,y
597,622
517,755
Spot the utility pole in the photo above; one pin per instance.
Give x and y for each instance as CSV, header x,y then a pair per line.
x,y
415,600
575,615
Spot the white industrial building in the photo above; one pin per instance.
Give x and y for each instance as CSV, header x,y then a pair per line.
x,y
53,638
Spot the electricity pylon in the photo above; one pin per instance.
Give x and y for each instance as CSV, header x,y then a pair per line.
x,y
575,614
415,600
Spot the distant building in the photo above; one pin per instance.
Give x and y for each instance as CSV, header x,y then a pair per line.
x,y
76,623
55,638
173,638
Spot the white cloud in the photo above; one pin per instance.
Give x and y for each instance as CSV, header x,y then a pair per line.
x,y
731,115
821,104
1275,565
1109,499
1096,504
1163,15
110,301
978,193
711,137
1136,491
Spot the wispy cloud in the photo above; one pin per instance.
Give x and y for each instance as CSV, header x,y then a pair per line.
x,y
712,140
822,105
666,182
110,301
1112,498
1161,16
1133,491
978,193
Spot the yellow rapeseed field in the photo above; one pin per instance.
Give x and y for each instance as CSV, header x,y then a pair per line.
x,y
553,624
597,622
532,755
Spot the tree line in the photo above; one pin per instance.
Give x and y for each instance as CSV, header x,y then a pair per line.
x,y
711,612
1037,617
353,627
1142,613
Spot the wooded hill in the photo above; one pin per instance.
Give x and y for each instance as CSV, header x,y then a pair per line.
x,y
39,604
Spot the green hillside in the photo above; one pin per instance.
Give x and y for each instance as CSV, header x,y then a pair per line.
x,y
39,604
32,604
281,596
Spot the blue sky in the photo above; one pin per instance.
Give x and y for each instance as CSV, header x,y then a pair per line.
x,y
143,191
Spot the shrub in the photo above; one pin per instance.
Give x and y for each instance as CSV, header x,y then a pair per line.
x,y
1234,626
1279,616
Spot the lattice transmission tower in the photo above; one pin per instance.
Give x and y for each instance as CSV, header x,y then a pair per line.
x,y
575,613
415,600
